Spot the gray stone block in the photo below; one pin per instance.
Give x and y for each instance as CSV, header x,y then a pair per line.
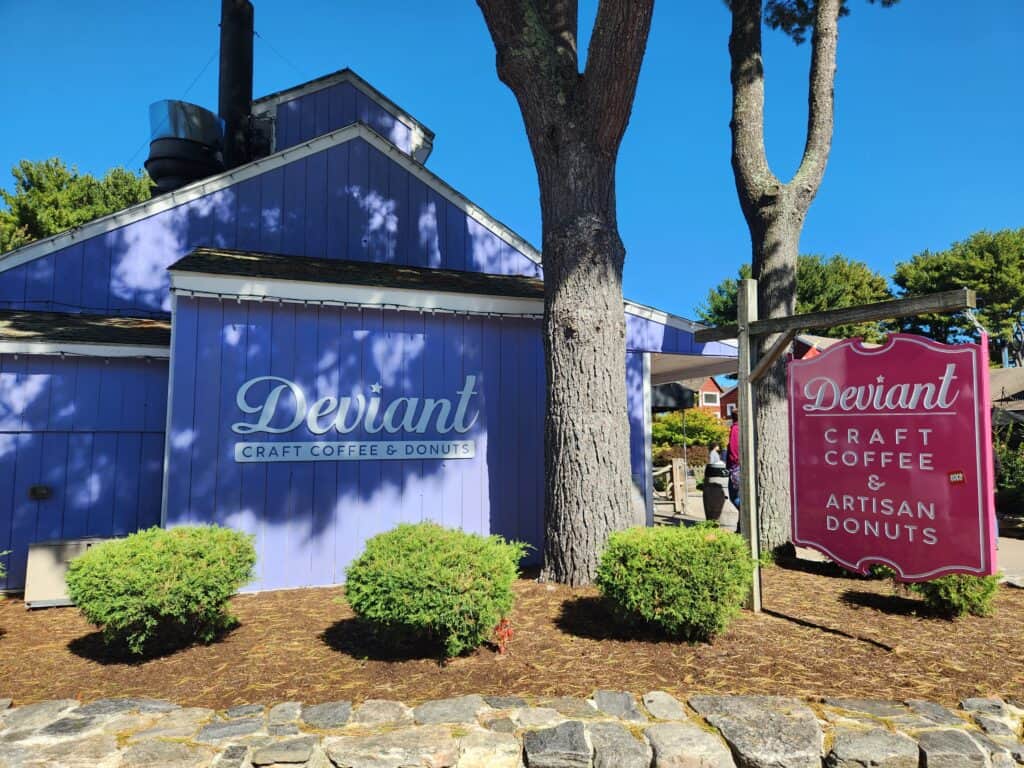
x,y
765,731
989,706
244,710
687,745
992,726
166,754
32,716
232,757
577,709
102,707
461,709
229,729
948,748
425,745
615,747
564,746
873,707
331,714
285,712
619,704
872,748
663,706
505,702
487,749
935,712
68,726
287,752
382,712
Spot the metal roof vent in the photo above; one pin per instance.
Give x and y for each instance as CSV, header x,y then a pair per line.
x,y
185,144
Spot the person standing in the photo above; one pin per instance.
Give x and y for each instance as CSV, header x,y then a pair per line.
x,y
732,460
714,454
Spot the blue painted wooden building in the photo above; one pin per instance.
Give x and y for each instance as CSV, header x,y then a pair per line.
x,y
312,347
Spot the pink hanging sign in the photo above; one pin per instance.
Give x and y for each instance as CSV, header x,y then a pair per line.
x,y
891,456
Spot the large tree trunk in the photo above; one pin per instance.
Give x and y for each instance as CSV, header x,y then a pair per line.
x,y
774,268
586,425
575,122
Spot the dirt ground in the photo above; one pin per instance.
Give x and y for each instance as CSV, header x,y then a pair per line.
x,y
820,635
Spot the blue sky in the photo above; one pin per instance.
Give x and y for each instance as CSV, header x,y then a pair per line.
x,y
927,149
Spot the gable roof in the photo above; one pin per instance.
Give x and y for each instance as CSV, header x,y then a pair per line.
x,y
220,181
423,137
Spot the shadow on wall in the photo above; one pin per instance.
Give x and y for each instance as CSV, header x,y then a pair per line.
x,y
310,518
81,450
346,202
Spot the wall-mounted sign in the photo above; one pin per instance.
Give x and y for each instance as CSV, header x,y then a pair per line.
x,y
892,456
285,409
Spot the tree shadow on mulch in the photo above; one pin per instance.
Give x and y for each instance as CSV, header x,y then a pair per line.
x,y
591,617
362,640
894,605
92,647
825,568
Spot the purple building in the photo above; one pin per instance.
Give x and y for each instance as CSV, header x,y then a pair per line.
x,y
312,346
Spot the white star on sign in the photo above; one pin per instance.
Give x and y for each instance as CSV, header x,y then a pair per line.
x,y
880,379
376,388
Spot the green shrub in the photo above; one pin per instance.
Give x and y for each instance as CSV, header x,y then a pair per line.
x,y
692,427
162,587
3,568
688,581
959,594
434,585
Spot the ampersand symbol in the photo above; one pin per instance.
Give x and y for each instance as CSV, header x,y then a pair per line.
x,y
874,483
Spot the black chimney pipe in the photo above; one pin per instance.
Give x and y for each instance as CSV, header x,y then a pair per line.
x,y
235,102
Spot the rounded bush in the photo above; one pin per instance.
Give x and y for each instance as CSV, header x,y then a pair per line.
x,y
434,584
689,582
162,585
959,594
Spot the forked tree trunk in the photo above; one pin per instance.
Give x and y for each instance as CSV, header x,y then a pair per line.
x,y
775,215
575,122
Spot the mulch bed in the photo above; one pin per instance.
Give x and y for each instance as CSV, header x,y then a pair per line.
x,y
820,635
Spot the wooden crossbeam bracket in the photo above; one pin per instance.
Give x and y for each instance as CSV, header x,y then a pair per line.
x,y
936,303
772,355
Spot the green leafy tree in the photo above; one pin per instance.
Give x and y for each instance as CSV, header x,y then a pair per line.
x,y
48,197
820,284
991,263
690,427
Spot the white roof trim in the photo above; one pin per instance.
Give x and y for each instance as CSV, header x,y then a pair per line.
x,y
207,186
249,288
82,349
664,318
422,137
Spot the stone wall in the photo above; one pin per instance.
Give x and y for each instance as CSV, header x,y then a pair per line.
x,y
611,730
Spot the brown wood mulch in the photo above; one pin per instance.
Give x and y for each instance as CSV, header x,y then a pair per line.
x,y
821,635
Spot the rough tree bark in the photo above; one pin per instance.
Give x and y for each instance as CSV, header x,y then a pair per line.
x,y
575,122
775,213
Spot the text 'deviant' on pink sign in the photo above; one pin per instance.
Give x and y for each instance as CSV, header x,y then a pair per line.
x,y
891,456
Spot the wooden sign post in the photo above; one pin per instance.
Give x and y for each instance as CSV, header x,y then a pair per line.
x,y
750,370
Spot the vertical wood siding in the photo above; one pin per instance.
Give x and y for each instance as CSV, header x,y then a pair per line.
x,y
310,519
92,430
329,109
346,202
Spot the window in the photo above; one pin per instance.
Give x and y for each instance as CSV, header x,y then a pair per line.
x,y
730,409
709,398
